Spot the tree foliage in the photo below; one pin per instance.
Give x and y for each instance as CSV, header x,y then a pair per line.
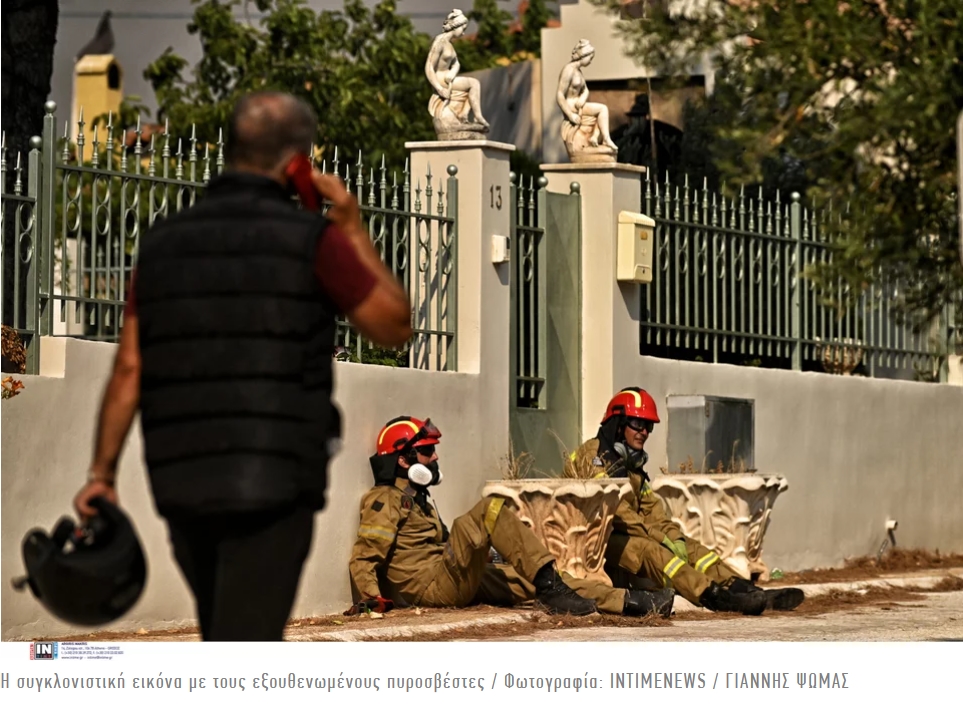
x,y
854,102
494,43
361,68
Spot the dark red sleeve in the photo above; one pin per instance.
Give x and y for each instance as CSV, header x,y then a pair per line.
x,y
343,277
130,310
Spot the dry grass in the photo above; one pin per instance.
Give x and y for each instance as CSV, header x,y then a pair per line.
x,y
735,466
516,466
582,467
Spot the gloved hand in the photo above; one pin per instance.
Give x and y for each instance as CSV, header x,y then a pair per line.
x,y
676,547
370,605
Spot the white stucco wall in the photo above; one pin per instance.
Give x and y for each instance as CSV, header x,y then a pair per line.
x,y
47,438
856,452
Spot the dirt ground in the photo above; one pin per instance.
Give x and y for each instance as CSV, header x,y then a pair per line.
x,y
832,602
530,620
866,567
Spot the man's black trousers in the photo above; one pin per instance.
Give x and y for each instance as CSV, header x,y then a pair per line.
x,y
244,569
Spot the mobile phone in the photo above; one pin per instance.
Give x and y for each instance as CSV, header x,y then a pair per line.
x,y
299,174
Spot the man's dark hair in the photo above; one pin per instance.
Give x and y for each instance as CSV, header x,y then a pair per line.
x,y
267,125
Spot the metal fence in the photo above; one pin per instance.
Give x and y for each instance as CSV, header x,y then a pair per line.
x,y
88,202
19,229
727,287
528,302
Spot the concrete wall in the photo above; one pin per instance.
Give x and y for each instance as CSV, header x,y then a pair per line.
x,y
48,433
856,451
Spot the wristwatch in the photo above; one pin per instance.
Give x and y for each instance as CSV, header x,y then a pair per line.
x,y
92,477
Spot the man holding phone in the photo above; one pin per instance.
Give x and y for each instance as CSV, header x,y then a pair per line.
x,y
226,351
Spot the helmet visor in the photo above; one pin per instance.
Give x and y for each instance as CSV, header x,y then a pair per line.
x,y
427,432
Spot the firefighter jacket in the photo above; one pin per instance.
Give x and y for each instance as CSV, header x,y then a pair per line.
x,y
641,511
401,536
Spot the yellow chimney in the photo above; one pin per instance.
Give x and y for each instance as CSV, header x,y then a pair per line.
x,y
98,89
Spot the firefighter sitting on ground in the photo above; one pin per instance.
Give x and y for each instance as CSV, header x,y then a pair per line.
x,y
403,539
646,545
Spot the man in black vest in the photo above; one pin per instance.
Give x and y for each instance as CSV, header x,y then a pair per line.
x,y
226,349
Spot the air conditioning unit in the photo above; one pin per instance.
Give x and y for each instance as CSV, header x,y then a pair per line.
x,y
708,430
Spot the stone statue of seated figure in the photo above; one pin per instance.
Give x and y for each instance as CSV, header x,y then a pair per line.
x,y
585,129
456,98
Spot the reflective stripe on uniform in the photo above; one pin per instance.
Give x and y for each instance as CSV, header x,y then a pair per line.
x,y
376,532
706,561
573,455
491,515
646,490
672,568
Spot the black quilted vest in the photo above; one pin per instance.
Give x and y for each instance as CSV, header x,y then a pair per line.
x,y
236,342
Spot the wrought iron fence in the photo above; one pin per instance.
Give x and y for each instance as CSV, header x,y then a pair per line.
x,y
727,287
95,198
529,288
19,229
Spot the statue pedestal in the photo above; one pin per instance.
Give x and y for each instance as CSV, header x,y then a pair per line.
x,y
585,156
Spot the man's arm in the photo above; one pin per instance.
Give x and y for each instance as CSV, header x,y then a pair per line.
x,y
117,410
654,509
380,515
384,315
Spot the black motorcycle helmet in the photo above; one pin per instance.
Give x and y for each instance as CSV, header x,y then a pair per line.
x,y
86,576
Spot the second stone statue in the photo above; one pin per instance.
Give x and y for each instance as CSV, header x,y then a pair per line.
x,y
585,127
456,105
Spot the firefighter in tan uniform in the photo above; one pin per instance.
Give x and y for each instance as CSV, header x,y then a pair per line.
x,y
645,542
404,546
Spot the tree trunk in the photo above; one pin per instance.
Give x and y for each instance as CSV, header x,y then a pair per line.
x,y
29,35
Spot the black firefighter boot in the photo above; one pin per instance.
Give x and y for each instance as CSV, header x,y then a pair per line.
x,y
777,599
644,603
555,595
717,598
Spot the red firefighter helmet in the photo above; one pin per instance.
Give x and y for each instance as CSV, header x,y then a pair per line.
x,y
632,402
405,433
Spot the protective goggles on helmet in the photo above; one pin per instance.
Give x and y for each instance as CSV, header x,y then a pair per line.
x,y
427,431
636,424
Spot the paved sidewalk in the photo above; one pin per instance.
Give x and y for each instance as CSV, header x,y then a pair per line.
x,y
917,617
938,618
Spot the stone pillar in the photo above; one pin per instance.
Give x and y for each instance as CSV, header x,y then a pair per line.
x,y
482,288
610,310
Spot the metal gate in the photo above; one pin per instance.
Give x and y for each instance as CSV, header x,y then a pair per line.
x,y
545,324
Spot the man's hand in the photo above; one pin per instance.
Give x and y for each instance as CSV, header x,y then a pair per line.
x,y
91,490
370,605
344,209
676,547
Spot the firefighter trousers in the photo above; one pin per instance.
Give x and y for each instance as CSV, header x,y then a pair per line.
x,y
631,558
464,576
